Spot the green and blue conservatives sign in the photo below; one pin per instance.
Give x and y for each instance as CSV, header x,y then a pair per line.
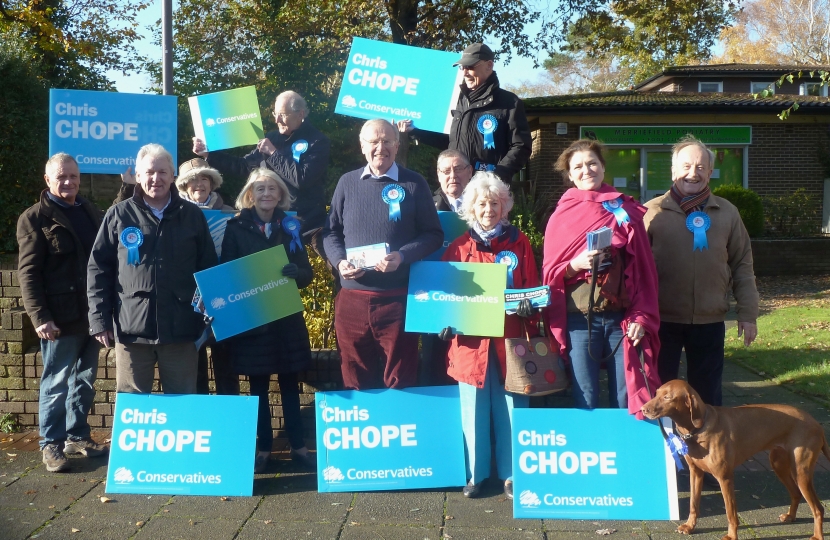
x,y
468,297
453,227
166,444
103,131
599,464
227,119
248,292
379,440
399,82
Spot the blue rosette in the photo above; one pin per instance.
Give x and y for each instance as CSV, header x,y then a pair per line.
x,y
393,195
487,125
616,208
698,223
132,238
291,225
512,261
298,148
678,448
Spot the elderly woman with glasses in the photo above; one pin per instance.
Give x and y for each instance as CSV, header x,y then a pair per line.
x,y
479,363
281,346
622,313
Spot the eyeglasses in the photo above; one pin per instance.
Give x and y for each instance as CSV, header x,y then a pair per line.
x,y
458,169
384,142
283,115
468,68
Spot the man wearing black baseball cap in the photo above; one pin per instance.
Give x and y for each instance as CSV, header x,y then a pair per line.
x,y
489,124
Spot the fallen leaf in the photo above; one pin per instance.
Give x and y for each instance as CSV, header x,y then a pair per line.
x,y
756,497
191,523
336,504
30,492
449,517
415,510
105,499
606,532
489,511
353,523
51,506
11,455
267,521
139,523
74,530
166,510
224,498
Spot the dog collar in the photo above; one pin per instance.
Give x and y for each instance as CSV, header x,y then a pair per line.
x,y
689,435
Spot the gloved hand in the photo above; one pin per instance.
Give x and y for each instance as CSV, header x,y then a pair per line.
x,y
525,309
446,334
290,270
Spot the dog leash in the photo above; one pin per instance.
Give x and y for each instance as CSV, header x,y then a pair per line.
x,y
677,446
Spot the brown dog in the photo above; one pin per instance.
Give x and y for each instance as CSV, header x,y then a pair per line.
x,y
721,438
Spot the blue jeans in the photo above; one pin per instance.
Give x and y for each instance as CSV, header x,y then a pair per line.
x,y
66,392
605,333
476,407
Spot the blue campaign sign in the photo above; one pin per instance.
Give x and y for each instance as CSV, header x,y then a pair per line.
x,y
599,464
385,80
104,130
378,440
217,221
166,444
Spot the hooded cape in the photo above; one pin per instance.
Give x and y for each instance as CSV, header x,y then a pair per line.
x,y
579,212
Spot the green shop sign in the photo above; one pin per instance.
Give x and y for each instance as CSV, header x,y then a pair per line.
x,y
666,135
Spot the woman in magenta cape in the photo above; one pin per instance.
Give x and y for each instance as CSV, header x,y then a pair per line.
x,y
628,300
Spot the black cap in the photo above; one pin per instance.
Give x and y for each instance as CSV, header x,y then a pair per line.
x,y
474,54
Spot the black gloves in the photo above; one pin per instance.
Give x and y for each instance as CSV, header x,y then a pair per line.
x,y
446,334
525,309
290,270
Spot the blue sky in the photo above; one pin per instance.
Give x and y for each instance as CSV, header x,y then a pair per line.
x,y
517,71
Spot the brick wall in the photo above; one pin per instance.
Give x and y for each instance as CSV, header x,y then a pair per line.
x,y
782,157
797,257
21,367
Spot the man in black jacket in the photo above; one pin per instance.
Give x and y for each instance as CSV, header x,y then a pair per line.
x,y
55,237
140,276
489,125
298,152
454,173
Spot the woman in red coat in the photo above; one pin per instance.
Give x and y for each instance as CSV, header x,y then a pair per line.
x,y
478,363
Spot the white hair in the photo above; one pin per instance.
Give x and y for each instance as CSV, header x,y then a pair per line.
x,y
485,184
296,102
153,150
691,140
246,198
377,123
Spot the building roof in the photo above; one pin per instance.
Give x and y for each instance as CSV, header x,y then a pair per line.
x,y
726,71
633,101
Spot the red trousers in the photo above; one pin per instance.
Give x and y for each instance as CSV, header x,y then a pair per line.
x,y
375,352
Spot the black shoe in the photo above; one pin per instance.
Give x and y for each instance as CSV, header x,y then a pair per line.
x,y
307,460
471,491
508,489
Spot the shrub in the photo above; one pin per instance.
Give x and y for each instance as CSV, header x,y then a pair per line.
x,y
318,300
748,204
24,137
791,215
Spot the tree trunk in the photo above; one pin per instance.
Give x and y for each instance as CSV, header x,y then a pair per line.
x,y
403,20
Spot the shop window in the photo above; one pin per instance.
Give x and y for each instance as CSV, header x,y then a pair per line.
x,y
729,167
710,87
812,89
758,87
622,170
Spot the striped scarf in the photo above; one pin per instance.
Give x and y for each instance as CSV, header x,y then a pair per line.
x,y
690,203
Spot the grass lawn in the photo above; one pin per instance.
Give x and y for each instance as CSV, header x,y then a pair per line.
x,y
793,347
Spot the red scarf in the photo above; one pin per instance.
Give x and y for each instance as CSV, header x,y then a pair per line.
x,y
578,213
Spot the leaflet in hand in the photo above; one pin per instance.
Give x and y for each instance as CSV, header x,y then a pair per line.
x,y
539,297
600,240
366,257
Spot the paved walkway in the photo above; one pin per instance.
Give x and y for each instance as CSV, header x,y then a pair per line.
x,y
286,505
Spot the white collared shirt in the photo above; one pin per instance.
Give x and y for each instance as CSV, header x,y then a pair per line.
x,y
159,213
391,174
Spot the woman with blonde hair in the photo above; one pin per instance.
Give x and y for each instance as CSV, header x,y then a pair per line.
x,y
479,363
281,346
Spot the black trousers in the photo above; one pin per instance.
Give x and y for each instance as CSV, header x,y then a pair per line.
x,y
290,394
704,357
227,382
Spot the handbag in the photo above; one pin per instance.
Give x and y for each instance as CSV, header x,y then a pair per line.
x,y
534,368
